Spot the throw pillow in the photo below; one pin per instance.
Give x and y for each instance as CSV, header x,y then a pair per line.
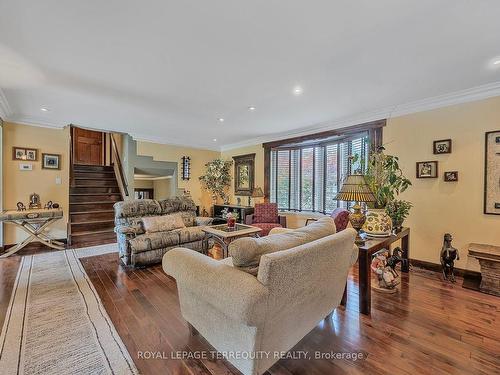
x,y
164,223
266,213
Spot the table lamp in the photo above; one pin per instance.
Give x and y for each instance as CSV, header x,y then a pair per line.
x,y
256,193
354,188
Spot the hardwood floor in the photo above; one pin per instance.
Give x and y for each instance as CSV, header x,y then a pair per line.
x,y
430,327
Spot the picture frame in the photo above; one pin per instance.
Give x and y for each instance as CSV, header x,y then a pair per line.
x,y
51,161
244,174
492,173
31,154
18,153
442,146
427,169
451,176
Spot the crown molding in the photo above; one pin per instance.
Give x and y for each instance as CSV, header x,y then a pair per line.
x,y
34,121
459,97
5,110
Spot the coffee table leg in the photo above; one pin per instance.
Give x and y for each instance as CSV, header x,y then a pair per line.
x,y
405,248
364,283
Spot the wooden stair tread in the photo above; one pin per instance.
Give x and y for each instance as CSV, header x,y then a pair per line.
x,y
92,212
93,202
90,194
90,232
98,221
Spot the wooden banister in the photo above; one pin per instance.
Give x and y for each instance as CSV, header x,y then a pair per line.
x,y
118,167
71,150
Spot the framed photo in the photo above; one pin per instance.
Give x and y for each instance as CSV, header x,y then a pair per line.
x,y
427,169
492,173
18,153
31,154
451,176
51,161
442,147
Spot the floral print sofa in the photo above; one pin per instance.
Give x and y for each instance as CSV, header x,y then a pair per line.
x,y
138,248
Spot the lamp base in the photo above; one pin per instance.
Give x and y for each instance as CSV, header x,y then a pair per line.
x,y
357,219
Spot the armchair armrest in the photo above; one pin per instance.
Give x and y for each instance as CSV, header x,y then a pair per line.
x,y
282,220
234,293
202,221
128,230
249,219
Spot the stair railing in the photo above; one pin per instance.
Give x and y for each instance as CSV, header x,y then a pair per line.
x,y
118,167
71,168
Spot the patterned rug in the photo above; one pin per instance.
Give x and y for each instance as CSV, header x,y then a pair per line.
x,y
56,323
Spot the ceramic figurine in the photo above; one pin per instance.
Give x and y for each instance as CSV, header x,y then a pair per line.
x,y
49,205
387,277
21,206
35,201
394,259
448,256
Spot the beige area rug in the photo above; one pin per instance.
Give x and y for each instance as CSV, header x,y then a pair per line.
x,y
56,323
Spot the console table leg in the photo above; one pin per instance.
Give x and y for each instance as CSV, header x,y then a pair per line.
x,y
405,248
364,283
343,302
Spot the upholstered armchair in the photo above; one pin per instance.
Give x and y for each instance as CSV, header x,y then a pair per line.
x,y
266,217
340,216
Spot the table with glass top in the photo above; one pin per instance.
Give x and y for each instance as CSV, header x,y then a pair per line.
x,y
224,235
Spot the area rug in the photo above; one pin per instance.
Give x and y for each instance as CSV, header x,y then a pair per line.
x,y
56,323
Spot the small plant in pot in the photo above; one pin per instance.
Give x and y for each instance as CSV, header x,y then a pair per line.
x,y
398,211
386,180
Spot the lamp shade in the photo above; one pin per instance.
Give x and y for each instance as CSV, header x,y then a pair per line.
x,y
257,193
355,188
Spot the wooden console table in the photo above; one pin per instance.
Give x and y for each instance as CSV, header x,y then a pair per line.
x,y
33,222
366,251
489,260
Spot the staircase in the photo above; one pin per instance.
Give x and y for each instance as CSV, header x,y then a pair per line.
x,y
92,194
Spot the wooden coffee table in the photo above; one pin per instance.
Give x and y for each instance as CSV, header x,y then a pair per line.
x,y
224,235
366,251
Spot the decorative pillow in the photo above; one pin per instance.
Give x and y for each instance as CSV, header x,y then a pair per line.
x,y
164,223
266,213
246,251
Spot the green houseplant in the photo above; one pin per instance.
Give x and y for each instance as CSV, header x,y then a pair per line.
x,y
217,178
386,180
398,211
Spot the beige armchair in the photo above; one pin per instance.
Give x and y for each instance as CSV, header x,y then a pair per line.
x,y
240,313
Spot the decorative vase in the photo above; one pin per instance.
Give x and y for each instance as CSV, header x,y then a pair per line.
x,y
231,222
378,223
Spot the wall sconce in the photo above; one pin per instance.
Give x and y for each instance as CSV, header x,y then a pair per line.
x,y
186,167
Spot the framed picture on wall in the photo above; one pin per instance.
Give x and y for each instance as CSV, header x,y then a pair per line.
x,y
442,146
451,176
51,161
427,169
492,173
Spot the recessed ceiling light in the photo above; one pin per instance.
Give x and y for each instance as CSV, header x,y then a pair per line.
x,y
297,90
43,109
215,139
220,119
251,108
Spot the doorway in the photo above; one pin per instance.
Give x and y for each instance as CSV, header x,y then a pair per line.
x,y
87,146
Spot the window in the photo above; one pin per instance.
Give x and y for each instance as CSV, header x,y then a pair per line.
x,y
307,177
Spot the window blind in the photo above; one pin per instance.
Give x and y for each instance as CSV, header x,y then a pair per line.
x,y
307,178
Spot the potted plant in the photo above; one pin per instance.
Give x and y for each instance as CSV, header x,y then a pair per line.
x,y
398,211
386,180
217,178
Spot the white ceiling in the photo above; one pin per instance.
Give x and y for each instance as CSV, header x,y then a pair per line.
x,y
165,70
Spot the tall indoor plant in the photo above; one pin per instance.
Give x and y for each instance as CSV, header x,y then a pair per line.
x,y
386,180
217,178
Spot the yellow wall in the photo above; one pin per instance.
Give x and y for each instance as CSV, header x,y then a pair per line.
x,y
143,184
441,207
174,154
162,188
18,185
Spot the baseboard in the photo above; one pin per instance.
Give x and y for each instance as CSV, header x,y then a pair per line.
x,y
437,268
